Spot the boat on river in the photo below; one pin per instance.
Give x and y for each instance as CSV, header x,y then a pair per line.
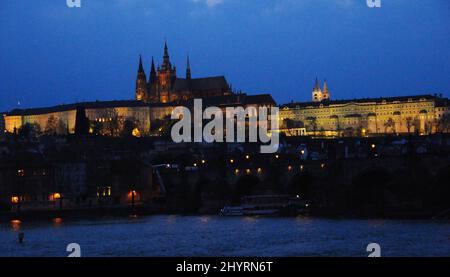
x,y
268,205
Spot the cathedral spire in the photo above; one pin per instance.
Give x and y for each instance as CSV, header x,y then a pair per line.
x,y
166,58
325,92
152,77
188,69
153,65
317,92
141,68
141,82
317,86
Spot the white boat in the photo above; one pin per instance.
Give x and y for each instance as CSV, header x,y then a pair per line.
x,y
231,211
267,205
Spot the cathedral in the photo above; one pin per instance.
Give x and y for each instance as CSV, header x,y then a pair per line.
x,y
164,86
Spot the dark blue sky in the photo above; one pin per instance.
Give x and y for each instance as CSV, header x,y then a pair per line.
x,y
50,54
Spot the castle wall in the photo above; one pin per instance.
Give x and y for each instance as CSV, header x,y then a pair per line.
x,y
140,114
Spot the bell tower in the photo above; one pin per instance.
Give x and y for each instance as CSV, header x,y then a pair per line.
x,y
317,92
325,91
166,77
141,92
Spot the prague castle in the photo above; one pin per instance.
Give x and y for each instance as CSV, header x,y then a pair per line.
x,y
155,99
157,96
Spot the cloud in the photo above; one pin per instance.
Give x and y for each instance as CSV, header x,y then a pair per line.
x,y
209,3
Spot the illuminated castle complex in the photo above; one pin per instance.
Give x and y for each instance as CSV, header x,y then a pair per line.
x,y
157,95
155,98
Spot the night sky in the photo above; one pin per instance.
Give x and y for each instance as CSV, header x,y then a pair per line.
x,y
51,54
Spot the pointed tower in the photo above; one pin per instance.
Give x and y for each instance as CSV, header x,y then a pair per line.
x,y
166,78
152,77
188,69
166,58
141,83
325,92
317,92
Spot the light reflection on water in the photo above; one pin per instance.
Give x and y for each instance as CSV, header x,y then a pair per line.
x,y
219,236
15,224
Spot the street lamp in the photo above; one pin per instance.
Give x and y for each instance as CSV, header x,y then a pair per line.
x,y
132,195
15,200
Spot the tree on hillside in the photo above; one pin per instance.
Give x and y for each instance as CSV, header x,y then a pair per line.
x,y
51,126
444,123
128,127
29,130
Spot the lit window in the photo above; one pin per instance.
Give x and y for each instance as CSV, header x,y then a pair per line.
x,y
55,196
136,133
15,199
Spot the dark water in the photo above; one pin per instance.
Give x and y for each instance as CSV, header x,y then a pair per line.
x,y
217,236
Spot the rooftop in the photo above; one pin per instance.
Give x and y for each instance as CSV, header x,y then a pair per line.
x,y
234,99
380,100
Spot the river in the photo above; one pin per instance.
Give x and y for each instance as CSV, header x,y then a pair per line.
x,y
182,236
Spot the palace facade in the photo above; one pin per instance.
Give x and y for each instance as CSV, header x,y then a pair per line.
x,y
362,117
